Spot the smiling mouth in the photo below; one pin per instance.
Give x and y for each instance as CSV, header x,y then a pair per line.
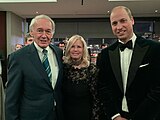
x,y
75,54
121,31
43,40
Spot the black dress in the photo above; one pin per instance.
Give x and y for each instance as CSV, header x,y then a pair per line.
x,y
78,92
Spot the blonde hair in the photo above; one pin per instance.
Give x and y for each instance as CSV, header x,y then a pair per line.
x,y
85,57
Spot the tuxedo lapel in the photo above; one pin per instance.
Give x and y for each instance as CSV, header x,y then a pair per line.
x,y
138,54
115,63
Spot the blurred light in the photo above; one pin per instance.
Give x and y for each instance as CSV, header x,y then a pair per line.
x,y
156,11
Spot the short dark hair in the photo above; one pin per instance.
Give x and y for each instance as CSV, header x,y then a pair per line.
x,y
102,45
61,42
27,36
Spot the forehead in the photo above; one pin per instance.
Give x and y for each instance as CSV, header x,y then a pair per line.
x,y
43,23
18,45
118,14
78,42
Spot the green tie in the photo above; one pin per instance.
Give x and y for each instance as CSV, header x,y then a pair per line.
x,y
46,64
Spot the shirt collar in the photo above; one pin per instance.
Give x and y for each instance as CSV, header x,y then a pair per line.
x,y
39,48
133,38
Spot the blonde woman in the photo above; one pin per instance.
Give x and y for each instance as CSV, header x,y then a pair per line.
x,y
80,77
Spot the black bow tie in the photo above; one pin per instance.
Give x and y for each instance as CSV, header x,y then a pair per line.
x,y
127,45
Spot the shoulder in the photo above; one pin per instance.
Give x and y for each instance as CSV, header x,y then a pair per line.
x,y
148,42
55,48
19,53
93,68
18,57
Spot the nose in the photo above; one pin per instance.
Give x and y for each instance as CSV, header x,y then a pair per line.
x,y
75,48
119,25
44,34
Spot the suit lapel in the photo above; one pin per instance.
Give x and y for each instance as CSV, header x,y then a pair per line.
x,y
137,57
115,63
36,62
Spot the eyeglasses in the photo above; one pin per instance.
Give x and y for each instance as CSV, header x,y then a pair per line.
x,y
41,31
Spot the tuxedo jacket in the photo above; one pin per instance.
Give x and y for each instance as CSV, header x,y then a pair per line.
x,y
29,93
143,82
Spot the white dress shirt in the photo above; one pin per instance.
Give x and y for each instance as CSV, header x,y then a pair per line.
x,y
125,59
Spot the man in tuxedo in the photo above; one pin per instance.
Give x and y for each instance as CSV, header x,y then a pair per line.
x,y
32,93
129,76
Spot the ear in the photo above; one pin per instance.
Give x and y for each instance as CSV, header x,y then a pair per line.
x,y
52,36
132,19
31,33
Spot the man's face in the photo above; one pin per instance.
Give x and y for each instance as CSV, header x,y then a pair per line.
x,y
42,32
62,46
122,24
29,41
18,46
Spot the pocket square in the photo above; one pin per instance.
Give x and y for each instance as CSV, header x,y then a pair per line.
x,y
143,65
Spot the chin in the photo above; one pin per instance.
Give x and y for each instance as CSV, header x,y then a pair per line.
x,y
75,59
43,46
121,37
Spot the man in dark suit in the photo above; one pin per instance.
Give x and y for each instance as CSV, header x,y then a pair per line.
x,y
32,94
129,78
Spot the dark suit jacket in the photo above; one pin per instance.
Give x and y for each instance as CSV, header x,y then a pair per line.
x,y
29,94
143,83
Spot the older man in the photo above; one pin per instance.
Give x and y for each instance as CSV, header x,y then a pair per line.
x,y
33,91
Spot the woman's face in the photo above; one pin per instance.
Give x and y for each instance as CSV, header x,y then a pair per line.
x,y
76,50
